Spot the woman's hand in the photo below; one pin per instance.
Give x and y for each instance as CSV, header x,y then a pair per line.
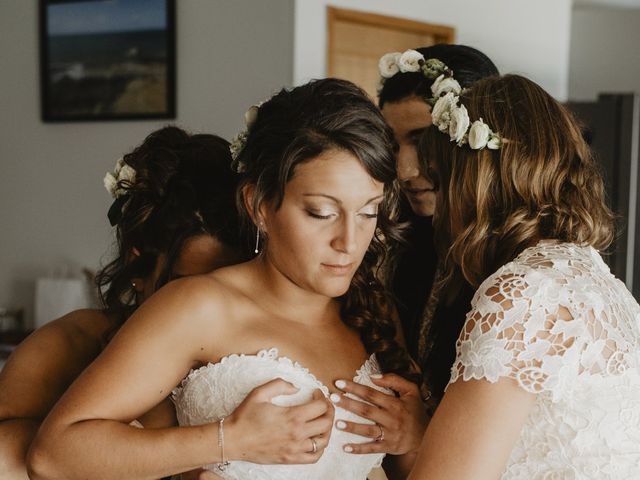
x,y
400,421
261,432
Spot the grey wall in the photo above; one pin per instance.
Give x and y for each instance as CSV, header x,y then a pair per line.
x,y
604,52
53,206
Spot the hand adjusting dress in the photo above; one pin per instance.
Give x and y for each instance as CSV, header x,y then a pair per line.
x,y
560,324
215,390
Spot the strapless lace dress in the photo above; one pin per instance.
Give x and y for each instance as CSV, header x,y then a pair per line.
x,y
215,390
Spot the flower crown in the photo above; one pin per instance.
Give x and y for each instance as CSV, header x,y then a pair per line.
x,y
447,115
113,182
240,140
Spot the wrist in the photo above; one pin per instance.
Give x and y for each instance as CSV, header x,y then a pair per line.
x,y
232,440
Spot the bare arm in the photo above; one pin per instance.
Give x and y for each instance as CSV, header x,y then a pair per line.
x,y
87,434
34,378
473,431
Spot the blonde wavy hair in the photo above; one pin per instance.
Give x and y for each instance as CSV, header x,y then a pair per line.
x,y
542,184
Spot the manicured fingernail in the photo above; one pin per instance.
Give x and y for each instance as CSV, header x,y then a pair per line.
x,y
341,425
377,376
334,397
348,448
340,384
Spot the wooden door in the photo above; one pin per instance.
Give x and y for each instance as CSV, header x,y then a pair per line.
x,y
357,40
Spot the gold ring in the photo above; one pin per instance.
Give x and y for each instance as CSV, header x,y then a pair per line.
x,y
314,446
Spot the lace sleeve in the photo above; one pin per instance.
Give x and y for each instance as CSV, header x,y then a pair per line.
x,y
520,328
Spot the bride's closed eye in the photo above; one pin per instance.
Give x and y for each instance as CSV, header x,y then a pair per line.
x,y
321,214
373,213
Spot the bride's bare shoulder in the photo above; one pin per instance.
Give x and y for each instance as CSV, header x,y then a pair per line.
x,y
219,294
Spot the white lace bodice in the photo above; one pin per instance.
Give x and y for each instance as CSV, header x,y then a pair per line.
x,y
559,323
215,390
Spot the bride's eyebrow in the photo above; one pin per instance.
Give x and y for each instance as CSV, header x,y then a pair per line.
x,y
338,201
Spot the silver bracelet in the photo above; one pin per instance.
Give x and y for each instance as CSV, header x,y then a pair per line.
x,y
222,466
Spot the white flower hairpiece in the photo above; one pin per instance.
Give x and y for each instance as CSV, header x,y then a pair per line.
x,y
240,140
408,62
451,118
121,173
447,115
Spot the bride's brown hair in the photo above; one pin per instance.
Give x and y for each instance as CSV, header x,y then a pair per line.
x,y
297,125
543,183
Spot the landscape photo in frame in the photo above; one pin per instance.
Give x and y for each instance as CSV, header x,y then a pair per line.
x,y
107,59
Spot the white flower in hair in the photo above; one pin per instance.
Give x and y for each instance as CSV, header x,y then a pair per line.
x,y
458,124
441,112
495,142
121,173
127,174
410,61
251,115
110,183
388,64
445,84
479,134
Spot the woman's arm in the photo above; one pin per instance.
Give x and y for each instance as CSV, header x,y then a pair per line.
x,y
473,431
87,434
36,375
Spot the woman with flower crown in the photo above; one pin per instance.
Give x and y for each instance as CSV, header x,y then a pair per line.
x,y
431,317
174,214
546,380
316,173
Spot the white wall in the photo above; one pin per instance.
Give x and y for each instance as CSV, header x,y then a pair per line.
x,y
605,46
52,203
520,36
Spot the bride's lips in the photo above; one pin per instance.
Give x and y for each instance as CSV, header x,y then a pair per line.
x,y
338,268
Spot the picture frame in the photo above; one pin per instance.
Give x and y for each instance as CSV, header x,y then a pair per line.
x,y
107,60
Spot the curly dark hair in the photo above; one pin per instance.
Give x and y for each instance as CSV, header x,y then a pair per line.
x,y
300,124
183,187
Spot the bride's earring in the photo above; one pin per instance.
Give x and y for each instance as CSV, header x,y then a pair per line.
x,y
257,239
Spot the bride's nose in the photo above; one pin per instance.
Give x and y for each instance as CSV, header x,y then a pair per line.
x,y
345,238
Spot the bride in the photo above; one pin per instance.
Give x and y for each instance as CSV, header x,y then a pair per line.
x,y
316,167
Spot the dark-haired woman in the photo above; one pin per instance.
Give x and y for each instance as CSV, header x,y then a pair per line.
x,y
175,216
431,317
546,380
316,168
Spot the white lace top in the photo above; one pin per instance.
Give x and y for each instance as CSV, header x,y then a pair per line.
x,y
215,390
559,323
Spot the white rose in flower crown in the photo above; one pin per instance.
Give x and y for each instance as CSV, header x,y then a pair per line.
x,y
409,61
445,84
440,114
479,134
458,124
388,64
495,142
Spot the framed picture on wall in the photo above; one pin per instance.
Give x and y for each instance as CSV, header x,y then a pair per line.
x,y
107,59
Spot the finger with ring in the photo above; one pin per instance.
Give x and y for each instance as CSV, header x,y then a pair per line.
x,y
380,436
314,446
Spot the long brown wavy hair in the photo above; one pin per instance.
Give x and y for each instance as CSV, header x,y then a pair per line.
x,y
300,124
543,183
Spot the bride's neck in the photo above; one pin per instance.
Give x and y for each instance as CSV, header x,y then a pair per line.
x,y
282,296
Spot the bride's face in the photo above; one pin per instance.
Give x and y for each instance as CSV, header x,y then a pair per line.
x,y
320,233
